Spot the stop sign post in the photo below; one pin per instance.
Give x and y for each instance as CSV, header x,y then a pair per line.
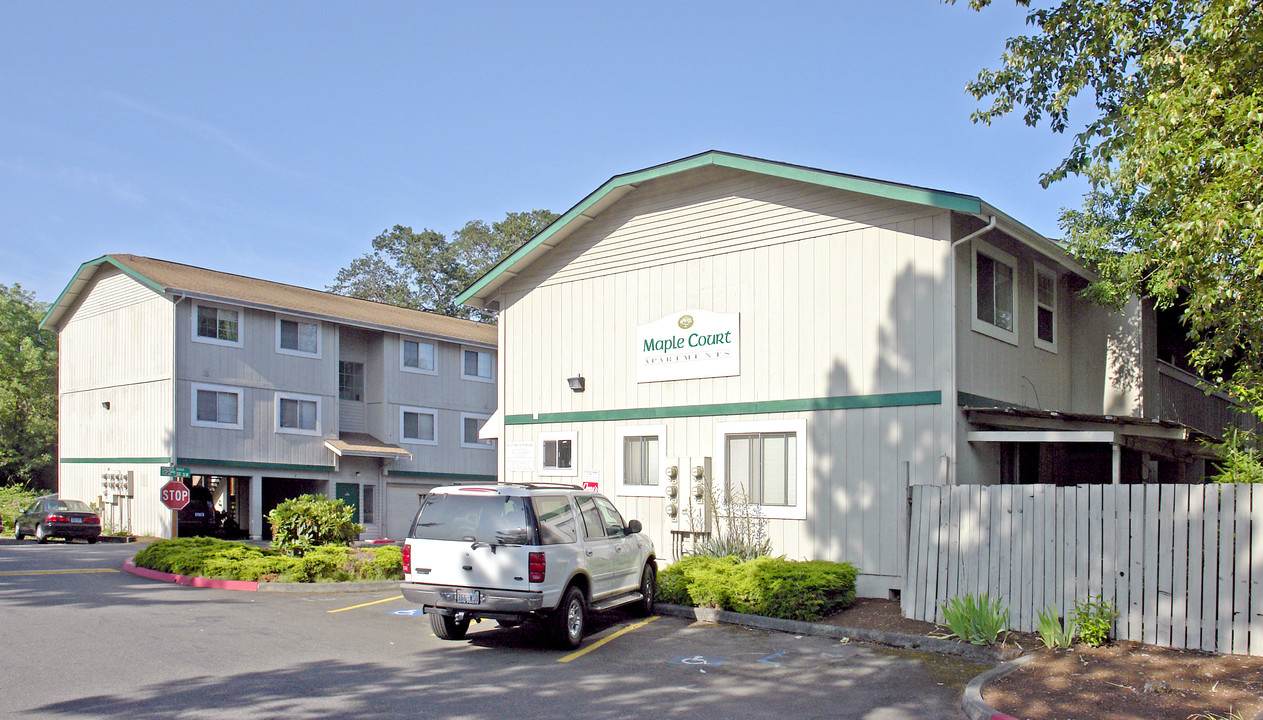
x,y
175,495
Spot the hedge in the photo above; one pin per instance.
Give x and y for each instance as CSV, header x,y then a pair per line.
x,y
772,587
214,558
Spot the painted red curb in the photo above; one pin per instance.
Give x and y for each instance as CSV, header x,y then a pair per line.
x,y
200,582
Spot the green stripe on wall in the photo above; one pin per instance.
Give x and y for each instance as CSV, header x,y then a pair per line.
x,y
847,402
259,465
440,476
134,461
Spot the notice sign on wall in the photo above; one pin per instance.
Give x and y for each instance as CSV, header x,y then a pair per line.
x,y
689,344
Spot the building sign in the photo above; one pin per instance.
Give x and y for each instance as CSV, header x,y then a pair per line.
x,y
689,344
519,456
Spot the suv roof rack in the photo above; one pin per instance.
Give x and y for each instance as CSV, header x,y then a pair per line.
x,y
543,485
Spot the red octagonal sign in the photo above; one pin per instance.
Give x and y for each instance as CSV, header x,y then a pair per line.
x,y
175,495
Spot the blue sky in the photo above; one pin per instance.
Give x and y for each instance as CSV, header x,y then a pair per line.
x,y
276,139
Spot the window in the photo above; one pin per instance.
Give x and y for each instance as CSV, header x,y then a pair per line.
x,y
765,463
215,325
614,525
417,356
994,293
419,425
639,457
556,520
1045,308
557,454
478,365
470,425
350,380
593,525
298,414
366,504
216,406
297,337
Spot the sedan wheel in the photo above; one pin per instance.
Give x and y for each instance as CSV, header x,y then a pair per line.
x,y
40,536
17,532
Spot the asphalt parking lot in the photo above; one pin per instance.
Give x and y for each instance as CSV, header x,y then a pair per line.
x,y
83,640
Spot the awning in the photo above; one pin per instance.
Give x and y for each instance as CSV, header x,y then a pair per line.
x,y
1159,437
353,444
493,428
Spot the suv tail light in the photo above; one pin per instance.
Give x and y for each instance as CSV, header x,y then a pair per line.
x,y
537,566
407,558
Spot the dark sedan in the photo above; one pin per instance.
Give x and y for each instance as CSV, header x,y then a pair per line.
x,y
51,516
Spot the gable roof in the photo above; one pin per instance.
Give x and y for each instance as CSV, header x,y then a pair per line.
x,y
481,291
175,280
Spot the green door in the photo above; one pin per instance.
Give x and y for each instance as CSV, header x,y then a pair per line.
x,y
349,493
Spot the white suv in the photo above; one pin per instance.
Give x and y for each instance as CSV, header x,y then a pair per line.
x,y
524,551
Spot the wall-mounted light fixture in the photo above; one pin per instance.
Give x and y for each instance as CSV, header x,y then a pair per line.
x,y
106,404
576,383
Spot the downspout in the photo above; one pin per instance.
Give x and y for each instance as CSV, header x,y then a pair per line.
x,y
950,400
175,394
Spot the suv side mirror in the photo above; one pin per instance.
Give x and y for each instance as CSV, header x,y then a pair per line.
x,y
633,527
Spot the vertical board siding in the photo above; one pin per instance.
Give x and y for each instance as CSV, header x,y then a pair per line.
x,y
1183,564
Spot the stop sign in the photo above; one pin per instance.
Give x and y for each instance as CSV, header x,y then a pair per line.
x,y
175,495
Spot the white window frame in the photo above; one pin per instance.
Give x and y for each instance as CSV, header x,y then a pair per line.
x,y
481,444
239,392
299,398
544,471
982,326
301,321
1044,271
621,434
799,428
419,342
481,352
404,409
241,314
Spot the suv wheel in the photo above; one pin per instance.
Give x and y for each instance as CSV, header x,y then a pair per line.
x,y
447,628
648,586
570,620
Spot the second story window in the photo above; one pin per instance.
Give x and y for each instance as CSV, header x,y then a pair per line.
x,y
1045,309
216,406
297,337
298,414
417,356
216,325
478,365
350,380
993,276
419,425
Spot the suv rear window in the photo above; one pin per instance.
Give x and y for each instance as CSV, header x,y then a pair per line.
x,y
491,518
556,520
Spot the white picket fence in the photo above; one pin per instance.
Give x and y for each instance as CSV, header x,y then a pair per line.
x,y
1182,563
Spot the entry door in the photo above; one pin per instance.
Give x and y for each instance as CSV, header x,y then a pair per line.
x,y
349,493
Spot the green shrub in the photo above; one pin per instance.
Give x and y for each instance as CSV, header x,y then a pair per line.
x,y
975,620
1094,618
212,558
1053,633
772,587
13,499
308,521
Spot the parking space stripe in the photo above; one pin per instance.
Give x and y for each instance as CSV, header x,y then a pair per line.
x,y
10,573
602,641
375,602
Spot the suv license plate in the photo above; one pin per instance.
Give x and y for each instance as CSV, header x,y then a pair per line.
x,y
468,597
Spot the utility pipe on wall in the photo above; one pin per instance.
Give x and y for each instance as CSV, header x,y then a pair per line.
x,y
950,400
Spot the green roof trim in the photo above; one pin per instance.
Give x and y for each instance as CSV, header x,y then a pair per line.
x,y
109,461
847,402
440,476
965,399
813,176
56,309
254,465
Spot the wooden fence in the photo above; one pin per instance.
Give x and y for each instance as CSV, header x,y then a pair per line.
x,y
1183,564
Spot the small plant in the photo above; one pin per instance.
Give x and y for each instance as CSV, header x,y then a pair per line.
x,y
976,620
1232,715
740,528
1053,633
309,521
1094,618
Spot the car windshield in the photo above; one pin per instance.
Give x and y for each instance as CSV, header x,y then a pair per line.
x,y
492,519
70,505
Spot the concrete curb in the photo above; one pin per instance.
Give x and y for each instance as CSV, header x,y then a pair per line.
x,y
971,700
975,653
248,586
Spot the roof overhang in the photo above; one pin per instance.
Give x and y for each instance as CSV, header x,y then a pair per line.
x,y
482,292
83,276
351,444
1158,437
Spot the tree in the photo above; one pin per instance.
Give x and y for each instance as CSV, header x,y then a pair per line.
x,y
28,390
1174,157
426,270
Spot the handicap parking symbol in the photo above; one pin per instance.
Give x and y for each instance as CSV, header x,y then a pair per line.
x,y
699,660
408,612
